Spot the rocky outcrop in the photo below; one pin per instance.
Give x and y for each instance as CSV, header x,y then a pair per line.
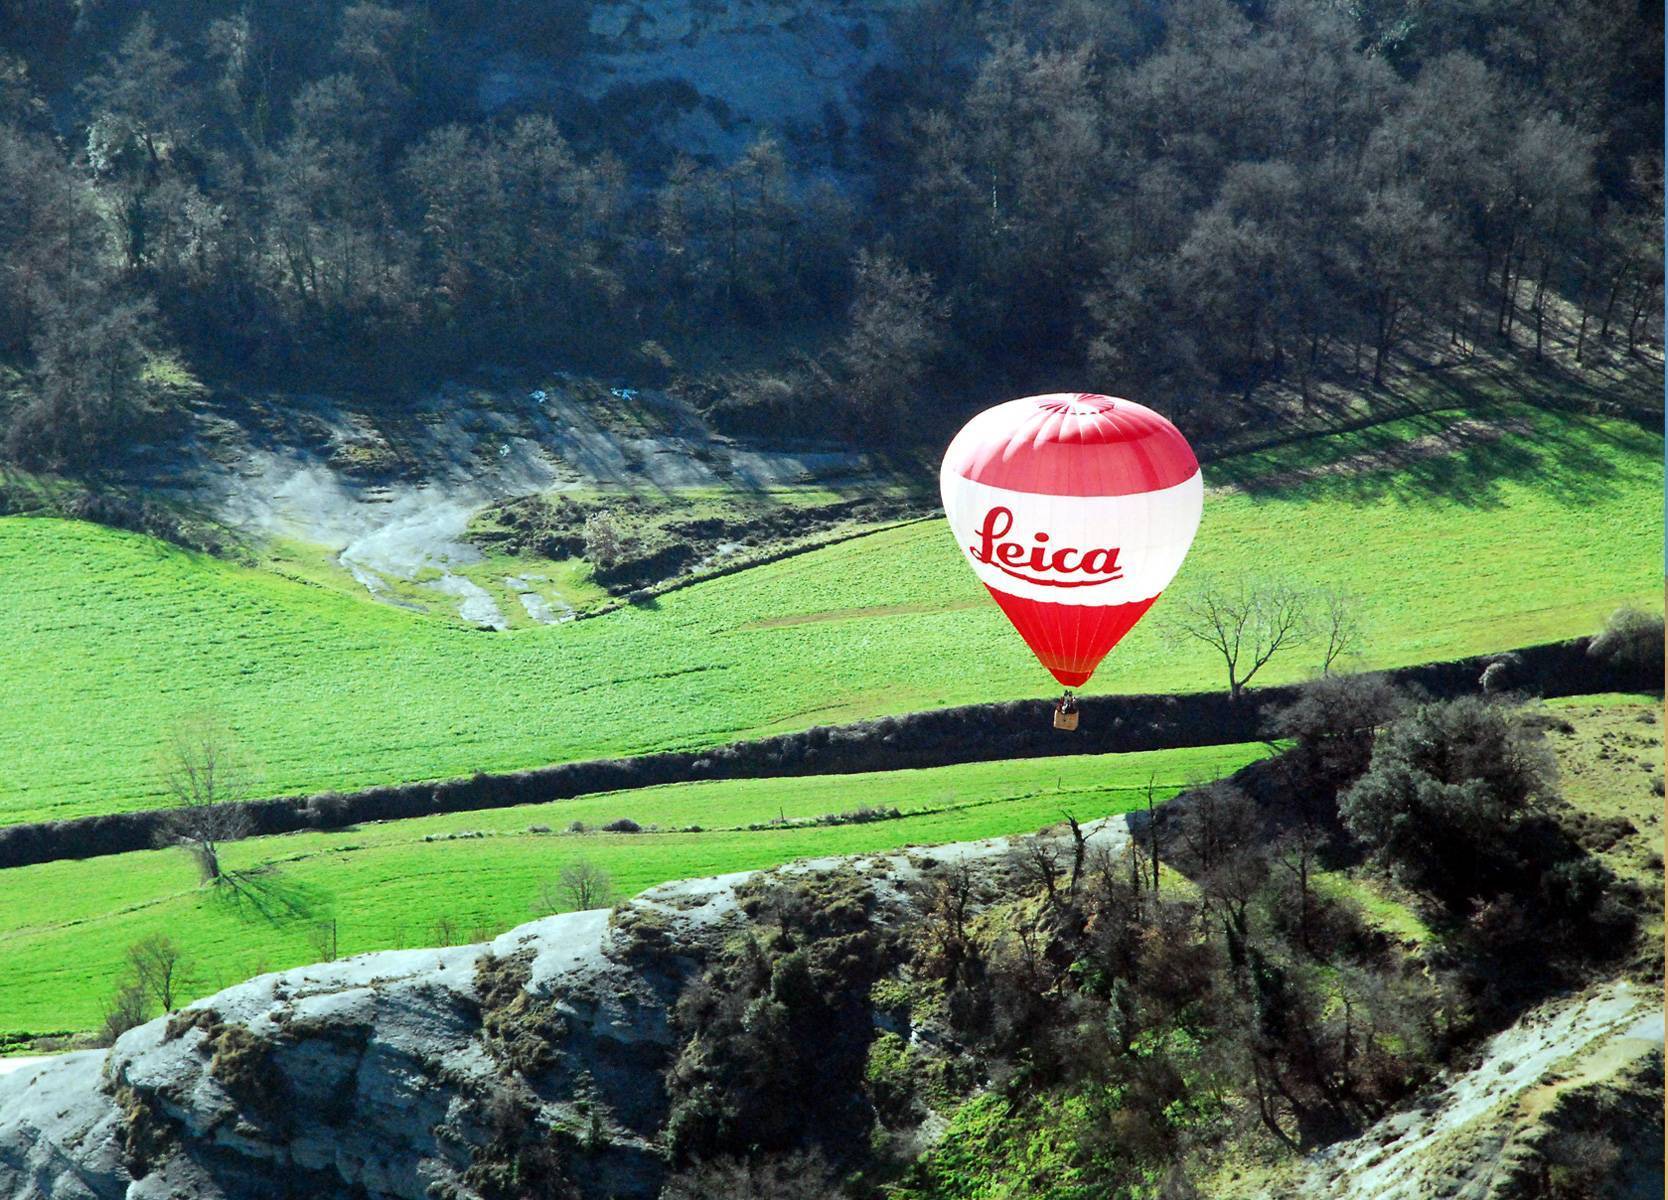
x,y
707,78
530,1065
539,1064
1574,1087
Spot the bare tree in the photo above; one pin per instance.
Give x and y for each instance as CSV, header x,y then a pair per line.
x,y
1341,624
159,969
208,780
1153,817
578,886
325,940
1216,818
897,329
1246,623
1079,843
947,902
1039,861
123,1011
1297,852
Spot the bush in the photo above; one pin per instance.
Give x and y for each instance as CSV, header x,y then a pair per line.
x,y
622,825
329,810
769,1177
605,542
1334,720
124,1011
1630,638
1444,794
1501,674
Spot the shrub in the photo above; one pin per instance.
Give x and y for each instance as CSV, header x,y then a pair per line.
x,y
124,1011
1630,638
1501,674
605,542
622,825
242,1065
329,810
1334,720
769,1177
1444,794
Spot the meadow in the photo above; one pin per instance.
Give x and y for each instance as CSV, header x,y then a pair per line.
x,y
1531,533
65,926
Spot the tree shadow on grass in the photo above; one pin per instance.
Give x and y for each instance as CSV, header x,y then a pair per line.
x,y
1467,443
267,894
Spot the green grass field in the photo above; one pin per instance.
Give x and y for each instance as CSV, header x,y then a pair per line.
x,y
65,926
110,638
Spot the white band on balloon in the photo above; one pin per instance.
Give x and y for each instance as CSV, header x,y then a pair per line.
x,y
1097,550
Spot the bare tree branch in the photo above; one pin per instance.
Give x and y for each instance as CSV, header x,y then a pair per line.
x,y
1341,623
580,885
1248,624
208,779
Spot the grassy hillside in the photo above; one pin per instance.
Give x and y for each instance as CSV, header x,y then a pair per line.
x,y
1532,527
65,926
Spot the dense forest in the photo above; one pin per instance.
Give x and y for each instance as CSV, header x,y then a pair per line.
x,y
1187,200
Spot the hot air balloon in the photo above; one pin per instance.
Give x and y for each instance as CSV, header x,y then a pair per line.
x,y
1075,510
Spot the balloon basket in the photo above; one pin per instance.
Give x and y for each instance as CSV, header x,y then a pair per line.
x,y
1065,720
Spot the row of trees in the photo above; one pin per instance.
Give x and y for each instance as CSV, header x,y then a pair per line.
x,y
1258,196
1189,199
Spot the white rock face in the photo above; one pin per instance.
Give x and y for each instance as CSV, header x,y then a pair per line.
x,y
375,1077
732,68
1449,1140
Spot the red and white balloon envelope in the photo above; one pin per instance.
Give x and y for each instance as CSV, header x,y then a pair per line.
x,y
1076,511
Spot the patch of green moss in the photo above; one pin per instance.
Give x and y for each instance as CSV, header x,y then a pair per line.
x,y
181,1023
642,930
148,1137
242,1064
519,1031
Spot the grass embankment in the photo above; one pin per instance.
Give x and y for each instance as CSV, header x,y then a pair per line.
x,y
1530,535
65,926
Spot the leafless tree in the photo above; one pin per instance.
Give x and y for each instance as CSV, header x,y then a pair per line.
x,y
1230,886
1079,843
159,969
947,903
124,1011
1154,816
1340,622
1297,852
1217,818
897,328
797,1176
208,779
326,943
1037,860
578,886
1246,623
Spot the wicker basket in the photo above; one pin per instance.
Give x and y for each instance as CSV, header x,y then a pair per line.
x,y
1065,720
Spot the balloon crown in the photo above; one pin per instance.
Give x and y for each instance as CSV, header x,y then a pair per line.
x,y
1079,404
